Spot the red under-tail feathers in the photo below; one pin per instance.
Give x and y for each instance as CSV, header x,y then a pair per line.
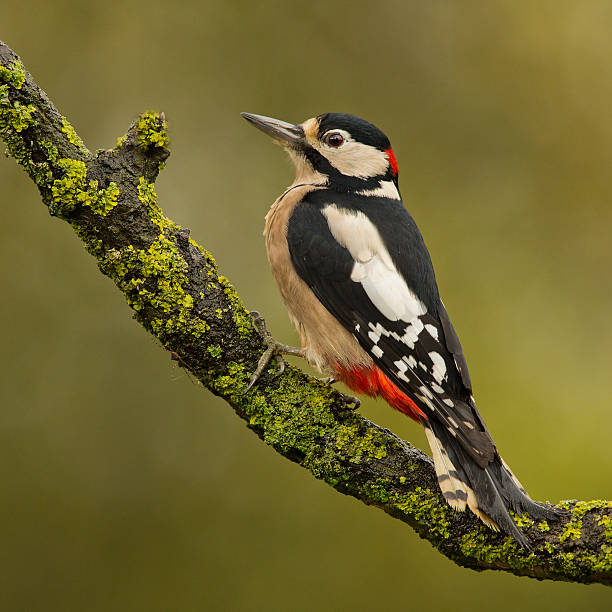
x,y
373,382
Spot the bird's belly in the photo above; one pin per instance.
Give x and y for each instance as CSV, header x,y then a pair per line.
x,y
325,341
327,344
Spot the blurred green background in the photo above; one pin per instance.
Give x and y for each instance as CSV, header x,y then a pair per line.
x,y
125,485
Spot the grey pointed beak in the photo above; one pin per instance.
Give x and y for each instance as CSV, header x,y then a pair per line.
x,y
287,133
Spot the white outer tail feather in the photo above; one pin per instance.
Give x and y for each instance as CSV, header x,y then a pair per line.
x,y
457,493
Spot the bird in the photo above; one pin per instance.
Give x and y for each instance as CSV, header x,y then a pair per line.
x,y
358,282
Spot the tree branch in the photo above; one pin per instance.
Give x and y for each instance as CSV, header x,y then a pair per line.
x,y
174,288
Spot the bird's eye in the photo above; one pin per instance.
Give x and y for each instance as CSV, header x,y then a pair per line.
x,y
333,139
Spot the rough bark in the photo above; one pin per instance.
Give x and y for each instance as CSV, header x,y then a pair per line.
x,y
173,286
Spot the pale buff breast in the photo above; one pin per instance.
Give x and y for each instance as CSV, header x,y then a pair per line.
x,y
325,340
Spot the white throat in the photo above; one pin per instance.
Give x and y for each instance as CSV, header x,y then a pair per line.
x,y
305,174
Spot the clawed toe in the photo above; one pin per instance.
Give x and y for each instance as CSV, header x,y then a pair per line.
x,y
351,399
327,380
275,350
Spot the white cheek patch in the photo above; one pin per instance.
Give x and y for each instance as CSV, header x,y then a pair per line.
x,y
352,158
373,267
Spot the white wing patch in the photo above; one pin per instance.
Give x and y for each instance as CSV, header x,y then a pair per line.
x,y
411,333
401,366
377,351
439,366
432,331
373,267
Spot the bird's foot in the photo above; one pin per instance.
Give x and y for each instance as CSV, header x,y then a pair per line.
x,y
350,401
275,350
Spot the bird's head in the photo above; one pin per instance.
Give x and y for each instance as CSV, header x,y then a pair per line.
x,y
341,150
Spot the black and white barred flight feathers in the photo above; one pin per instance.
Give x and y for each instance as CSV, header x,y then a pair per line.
x,y
341,243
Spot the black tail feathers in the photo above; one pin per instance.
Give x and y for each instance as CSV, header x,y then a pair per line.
x,y
489,492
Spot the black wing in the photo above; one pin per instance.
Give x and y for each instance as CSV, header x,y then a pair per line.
x,y
422,357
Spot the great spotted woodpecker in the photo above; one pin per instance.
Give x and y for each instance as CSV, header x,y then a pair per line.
x,y
357,279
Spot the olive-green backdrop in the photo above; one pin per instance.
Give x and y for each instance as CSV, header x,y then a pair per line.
x,y
126,486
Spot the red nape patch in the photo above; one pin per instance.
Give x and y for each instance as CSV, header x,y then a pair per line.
x,y
374,382
392,161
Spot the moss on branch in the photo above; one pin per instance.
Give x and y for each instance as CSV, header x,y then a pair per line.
x,y
175,291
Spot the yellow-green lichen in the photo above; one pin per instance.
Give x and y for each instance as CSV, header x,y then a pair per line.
x,y
241,317
544,526
66,190
359,446
73,137
421,505
524,521
40,171
579,564
604,562
606,523
51,151
215,351
16,117
152,131
232,385
508,553
377,491
425,506
14,75
148,196
300,422
156,278
73,189
572,531
578,509
548,547
294,419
